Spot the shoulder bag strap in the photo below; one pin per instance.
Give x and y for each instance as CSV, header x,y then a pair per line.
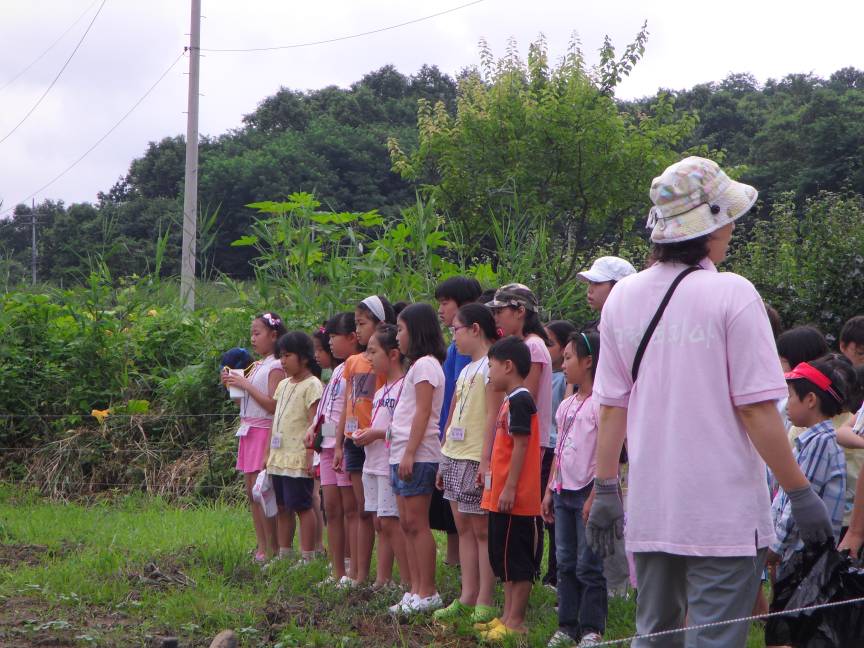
x,y
640,351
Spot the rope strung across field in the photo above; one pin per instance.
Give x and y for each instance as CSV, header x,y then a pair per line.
x,y
110,416
715,624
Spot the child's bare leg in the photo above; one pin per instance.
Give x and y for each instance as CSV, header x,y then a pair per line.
x,y
307,531
349,507
365,531
319,516
508,600
468,558
335,530
519,593
486,589
384,553
392,531
420,540
259,520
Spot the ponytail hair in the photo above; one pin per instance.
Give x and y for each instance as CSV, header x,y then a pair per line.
x,y
561,331
299,343
273,322
474,313
533,325
378,308
587,343
385,334
341,324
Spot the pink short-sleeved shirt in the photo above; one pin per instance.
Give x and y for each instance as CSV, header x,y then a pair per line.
x,y
426,369
697,485
576,454
383,404
540,354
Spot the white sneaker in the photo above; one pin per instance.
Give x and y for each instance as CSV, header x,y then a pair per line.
x,y
346,582
590,639
428,604
404,606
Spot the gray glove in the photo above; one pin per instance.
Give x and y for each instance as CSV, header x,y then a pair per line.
x,y
606,520
810,515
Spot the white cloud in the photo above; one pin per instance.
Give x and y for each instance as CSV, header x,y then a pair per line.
x,y
131,43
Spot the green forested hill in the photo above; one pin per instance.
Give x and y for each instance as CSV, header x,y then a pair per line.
x,y
800,134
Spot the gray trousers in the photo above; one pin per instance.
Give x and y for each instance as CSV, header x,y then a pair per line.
x,y
705,589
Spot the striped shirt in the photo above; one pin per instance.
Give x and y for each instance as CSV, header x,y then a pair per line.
x,y
822,461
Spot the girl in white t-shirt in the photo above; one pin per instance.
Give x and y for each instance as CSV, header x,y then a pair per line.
x,y
389,363
415,449
257,406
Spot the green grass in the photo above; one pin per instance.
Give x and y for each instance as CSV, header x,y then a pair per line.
x,y
81,585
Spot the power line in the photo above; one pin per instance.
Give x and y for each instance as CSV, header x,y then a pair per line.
x,y
51,85
99,141
49,48
343,38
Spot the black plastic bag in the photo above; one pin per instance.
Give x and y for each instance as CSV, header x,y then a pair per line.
x,y
815,576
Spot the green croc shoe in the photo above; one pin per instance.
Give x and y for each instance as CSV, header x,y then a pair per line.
x,y
453,612
483,614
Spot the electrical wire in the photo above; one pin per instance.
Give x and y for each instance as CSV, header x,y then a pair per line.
x,y
99,141
50,47
51,85
341,38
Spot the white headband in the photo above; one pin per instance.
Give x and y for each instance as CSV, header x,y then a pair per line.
x,y
374,304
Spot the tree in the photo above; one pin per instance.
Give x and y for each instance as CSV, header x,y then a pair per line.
x,y
809,266
548,144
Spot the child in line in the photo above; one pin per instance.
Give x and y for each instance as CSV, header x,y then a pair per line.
x,y
256,417
582,597
379,499
289,462
816,394
361,384
324,358
415,450
558,332
797,345
512,488
516,313
451,294
851,344
336,485
471,414
852,340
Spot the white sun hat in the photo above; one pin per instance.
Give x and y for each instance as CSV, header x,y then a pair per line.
x,y
607,268
694,197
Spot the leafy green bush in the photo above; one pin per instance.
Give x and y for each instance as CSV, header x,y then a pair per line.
x,y
808,263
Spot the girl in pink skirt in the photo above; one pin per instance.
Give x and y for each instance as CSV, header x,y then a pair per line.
x,y
257,406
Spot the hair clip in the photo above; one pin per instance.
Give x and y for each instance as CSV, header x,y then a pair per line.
x,y
272,321
322,330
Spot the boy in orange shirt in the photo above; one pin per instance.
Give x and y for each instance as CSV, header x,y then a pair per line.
x,y
512,490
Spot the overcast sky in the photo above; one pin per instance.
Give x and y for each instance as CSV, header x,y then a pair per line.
x,y
132,42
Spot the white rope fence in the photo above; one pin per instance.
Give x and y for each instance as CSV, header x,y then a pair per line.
x,y
757,617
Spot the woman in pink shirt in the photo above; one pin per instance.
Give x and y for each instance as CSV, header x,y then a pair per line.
x,y
694,389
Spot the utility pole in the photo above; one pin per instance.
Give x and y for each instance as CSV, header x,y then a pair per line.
x,y
190,193
33,244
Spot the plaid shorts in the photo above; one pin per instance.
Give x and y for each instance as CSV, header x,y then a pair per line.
x,y
460,484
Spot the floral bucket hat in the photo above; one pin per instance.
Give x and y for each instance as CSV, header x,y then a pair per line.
x,y
693,198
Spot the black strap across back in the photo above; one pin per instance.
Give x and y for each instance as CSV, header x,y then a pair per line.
x,y
640,351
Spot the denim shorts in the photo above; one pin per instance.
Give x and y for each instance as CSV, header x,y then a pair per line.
x,y
422,479
353,456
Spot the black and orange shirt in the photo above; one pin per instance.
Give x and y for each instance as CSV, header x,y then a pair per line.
x,y
517,416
